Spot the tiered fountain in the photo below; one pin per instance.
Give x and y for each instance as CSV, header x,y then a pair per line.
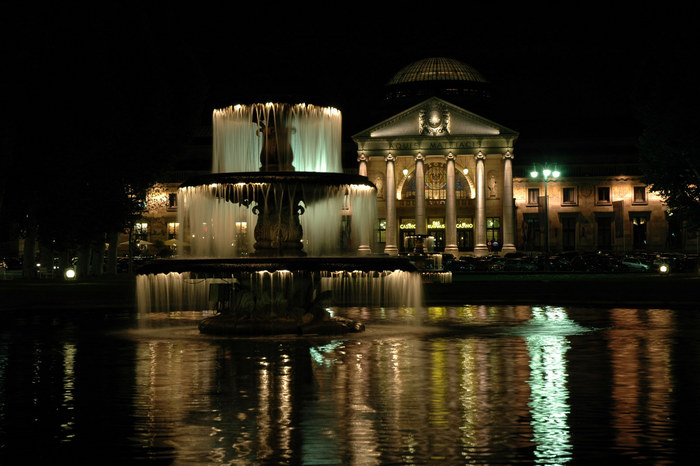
x,y
277,166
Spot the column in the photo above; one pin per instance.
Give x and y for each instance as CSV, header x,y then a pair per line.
x,y
420,196
508,222
451,209
480,248
364,238
362,160
390,197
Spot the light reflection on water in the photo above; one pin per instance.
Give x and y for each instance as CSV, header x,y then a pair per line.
x,y
549,399
462,384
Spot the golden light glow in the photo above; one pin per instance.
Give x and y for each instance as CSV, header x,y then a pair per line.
x,y
361,187
156,198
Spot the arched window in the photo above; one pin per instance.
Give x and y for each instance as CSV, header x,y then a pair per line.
x,y
436,183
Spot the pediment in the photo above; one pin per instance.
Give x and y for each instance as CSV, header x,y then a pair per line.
x,y
437,118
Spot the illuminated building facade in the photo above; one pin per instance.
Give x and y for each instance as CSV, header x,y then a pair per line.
x,y
459,179
441,171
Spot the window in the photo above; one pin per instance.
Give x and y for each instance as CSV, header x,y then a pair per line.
x,y
531,233
568,229
640,195
381,231
172,200
172,229
407,228
604,233
604,195
436,184
436,229
568,196
493,228
639,232
141,231
533,196
465,233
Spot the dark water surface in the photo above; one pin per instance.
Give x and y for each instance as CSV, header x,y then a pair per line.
x,y
449,385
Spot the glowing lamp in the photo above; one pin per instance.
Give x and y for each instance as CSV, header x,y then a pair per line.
x,y
534,173
405,171
69,274
546,172
663,268
555,173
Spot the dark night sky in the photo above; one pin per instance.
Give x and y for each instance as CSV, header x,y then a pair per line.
x,y
548,68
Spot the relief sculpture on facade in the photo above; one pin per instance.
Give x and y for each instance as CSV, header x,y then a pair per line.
x,y
434,121
492,184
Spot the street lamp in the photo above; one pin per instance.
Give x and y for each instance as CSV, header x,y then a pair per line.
x,y
547,174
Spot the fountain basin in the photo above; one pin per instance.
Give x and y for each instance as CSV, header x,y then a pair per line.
x,y
283,295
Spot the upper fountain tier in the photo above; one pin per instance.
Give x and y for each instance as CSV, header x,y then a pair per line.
x,y
278,167
276,137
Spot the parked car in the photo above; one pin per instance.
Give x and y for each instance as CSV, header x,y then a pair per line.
x,y
519,264
635,264
557,263
460,266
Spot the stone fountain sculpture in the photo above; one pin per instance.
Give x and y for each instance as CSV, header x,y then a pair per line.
x,y
276,286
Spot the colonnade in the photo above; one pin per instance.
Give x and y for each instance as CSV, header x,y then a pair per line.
x,y
480,246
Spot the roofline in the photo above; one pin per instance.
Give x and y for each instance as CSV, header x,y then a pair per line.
x,y
479,117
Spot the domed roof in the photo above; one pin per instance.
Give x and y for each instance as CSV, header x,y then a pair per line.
x,y
437,69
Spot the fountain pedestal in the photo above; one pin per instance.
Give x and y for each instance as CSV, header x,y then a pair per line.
x,y
278,231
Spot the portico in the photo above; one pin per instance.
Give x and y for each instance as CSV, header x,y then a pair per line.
x,y
442,171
